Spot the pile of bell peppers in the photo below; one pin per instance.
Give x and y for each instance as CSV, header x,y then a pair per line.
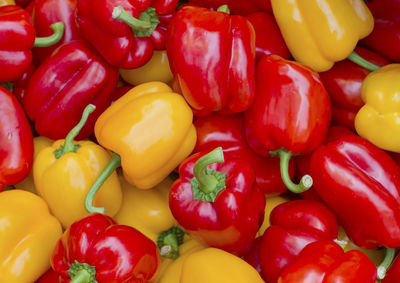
x,y
168,141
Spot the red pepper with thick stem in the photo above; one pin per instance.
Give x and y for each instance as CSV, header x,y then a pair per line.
x,y
16,141
60,88
239,7
97,248
290,114
216,72
218,203
228,131
125,32
361,184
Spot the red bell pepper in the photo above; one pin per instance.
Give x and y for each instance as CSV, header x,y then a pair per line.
x,y
325,262
23,3
60,88
239,7
216,72
16,140
361,184
19,85
343,83
290,114
113,27
97,249
385,37
393,274
218,204
294,225
49,277
252,257
228,132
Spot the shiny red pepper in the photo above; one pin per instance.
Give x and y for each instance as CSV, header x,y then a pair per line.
x,y
19,85
343,83
361,184
290,114
325,262
60,88
216,72
97,248
218,203
228,132
294,225
104,23
16,140
239,7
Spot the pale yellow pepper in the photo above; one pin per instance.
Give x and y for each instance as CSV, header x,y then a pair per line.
x,y
28,235
319,33
270,204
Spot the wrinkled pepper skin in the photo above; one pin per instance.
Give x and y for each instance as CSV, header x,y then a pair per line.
x,y
16,140
17,39
294,225
238,7
343,83
325,261
377,120
29,234
320,33
63,85
117,253
228,221
148,108
217,71
360,183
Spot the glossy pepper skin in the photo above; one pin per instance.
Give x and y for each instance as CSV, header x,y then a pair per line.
x,y
228,131
319,33
148,108
377,120
115,40
29,234
217,71
16,140
226,210
360,183
237,6
60,88
115,253
294,225
343,83
325,261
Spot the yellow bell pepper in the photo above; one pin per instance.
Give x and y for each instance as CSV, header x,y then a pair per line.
x,y
64,172
378,120
157,69
270,204
321,32
28,236
6,2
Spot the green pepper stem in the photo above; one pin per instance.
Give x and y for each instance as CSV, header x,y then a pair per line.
x,y
69,140
58,32
357,59
168,242
387,261
113,164
224,9
81,277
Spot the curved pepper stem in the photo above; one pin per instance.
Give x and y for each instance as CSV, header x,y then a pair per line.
x,y
357,59
387,261
82,273
168,242
58,32
306,181
224,8
142,27
113,164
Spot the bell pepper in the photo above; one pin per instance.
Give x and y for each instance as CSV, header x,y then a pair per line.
x,y
290,114
217,71
320,33
23,3
217,202
376,121
228,131
156,69
28,236
239,7
16,140
360,183
294,225
343,83
17,39
325,261
60,88
19,86
124,32
393,274
49,277
97,249
64,172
